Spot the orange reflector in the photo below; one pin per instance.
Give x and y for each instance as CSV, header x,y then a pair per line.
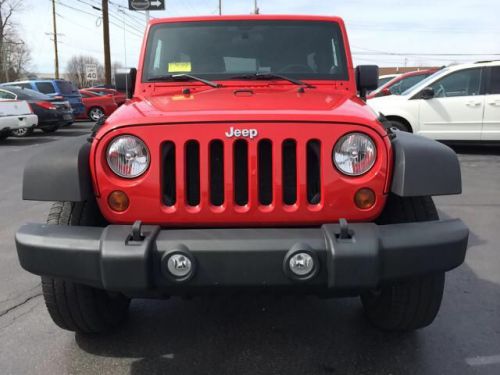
x,y
118,201
364,198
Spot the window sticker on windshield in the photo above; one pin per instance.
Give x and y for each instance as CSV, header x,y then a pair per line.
x,y
176,67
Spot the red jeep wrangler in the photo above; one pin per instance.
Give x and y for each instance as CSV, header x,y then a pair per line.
x,y
244,161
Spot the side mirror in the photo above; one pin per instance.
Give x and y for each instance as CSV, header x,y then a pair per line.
x,y
427,93
125,81
366,79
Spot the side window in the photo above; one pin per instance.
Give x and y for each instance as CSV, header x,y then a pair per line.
x,y
462,83
45,87
494,84
5,95
25,85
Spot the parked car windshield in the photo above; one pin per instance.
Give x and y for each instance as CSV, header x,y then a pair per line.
x,y
424,83
26,94
225,49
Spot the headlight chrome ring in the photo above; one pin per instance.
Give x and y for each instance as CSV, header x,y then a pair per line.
x,y
354,154
127,156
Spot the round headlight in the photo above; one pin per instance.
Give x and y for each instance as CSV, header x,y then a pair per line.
x,y
354,154
127,156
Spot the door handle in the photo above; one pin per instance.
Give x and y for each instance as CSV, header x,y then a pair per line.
x,y
473,103
494,102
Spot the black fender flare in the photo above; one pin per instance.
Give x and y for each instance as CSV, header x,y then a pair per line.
x,y
423,167
61,172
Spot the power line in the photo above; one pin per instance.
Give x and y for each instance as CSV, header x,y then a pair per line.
x,y
134,30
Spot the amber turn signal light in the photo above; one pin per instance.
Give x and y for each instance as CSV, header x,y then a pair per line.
x,y
364,198
118,201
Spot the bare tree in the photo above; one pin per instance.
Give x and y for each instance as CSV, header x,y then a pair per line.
x,y
76,67
10,43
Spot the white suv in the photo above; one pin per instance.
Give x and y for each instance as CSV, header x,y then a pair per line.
x,y
460,102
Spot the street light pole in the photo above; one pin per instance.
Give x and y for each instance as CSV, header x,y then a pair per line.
x,y
220,7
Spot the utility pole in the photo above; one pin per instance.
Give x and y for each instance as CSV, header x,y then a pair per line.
x,y
55,39
107,52
255,7
220,7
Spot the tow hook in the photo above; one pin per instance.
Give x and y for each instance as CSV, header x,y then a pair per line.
x,y
136,234
345,232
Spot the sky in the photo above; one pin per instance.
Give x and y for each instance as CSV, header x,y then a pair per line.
x,y
382,32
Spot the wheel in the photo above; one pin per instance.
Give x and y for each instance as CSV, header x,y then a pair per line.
x,y
24,132
50,129
77,307
409,304
95,113
400,126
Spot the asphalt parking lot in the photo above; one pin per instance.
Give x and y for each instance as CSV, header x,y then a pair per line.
x,y
258,335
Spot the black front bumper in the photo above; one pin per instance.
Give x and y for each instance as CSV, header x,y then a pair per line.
x,y
241,258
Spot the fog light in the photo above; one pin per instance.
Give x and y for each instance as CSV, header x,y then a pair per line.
x,y
301,264
179,265
118,201
364,198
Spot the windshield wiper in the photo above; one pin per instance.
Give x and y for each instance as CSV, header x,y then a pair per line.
x,y
270,76
183,77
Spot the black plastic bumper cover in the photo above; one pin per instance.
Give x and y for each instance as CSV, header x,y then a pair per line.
x,y
109,259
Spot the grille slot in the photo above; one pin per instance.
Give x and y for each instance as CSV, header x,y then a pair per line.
x,y
216,172
168,173
313,171
265,169
192,160
289,168
240,172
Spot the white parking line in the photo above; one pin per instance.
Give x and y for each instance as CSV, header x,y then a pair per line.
x,y
483,360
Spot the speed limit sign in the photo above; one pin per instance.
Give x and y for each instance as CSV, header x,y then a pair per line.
x,y
91,72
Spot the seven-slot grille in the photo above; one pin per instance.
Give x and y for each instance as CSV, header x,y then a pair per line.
x,y
223,173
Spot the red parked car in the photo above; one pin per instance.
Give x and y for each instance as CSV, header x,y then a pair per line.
x,y
240,167
97,106
119,97
401,83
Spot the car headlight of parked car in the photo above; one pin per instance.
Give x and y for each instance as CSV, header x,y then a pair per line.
x,y
354,154
128,156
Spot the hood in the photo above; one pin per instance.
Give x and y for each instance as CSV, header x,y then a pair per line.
x,y
382,103
279,103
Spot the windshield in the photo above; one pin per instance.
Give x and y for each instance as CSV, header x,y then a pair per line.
x,y
424,82
222,50
383,81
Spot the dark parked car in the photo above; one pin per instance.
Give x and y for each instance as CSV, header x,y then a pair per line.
x,y
52,112
55,88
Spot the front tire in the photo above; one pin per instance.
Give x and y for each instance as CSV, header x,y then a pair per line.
x,y
77,307
409,304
